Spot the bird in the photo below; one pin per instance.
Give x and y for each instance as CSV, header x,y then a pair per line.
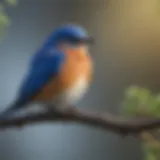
x,y
60,71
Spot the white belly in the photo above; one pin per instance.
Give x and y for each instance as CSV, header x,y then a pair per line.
x,y
73,94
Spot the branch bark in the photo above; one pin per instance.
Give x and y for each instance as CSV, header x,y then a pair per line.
x,y
106,121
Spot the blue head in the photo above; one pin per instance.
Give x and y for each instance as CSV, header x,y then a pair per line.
x,y
72,35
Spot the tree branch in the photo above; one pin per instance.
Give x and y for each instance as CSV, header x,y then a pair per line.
x,y
72,114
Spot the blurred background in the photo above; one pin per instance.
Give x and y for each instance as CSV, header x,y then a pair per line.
x,y
126,52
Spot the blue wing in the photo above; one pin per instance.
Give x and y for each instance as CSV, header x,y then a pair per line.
x,y
43,67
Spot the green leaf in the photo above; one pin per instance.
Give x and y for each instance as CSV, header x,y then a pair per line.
x,y
11,2
4,20
139,101
151,156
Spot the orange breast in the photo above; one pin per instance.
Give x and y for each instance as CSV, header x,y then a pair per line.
x,y
77,64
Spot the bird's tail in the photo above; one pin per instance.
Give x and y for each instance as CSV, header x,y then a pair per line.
x,y
7,113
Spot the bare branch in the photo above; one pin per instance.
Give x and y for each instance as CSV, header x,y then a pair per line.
x,y
72,114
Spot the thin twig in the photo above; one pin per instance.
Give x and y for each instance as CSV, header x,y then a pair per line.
x,y
71,114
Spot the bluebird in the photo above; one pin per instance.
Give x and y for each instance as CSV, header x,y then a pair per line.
x,y
59,72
